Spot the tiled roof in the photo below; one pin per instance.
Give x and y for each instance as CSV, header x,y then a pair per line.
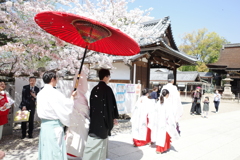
x,y
229,57
181,55
206,74
153,70
161,26
232,45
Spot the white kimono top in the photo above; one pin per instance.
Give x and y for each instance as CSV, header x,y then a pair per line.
x,y
165,123
140,113
53,105
174,100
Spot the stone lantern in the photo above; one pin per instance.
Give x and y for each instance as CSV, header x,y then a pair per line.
x,y
227,93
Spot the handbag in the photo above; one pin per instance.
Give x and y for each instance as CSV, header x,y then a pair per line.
x,y
21,116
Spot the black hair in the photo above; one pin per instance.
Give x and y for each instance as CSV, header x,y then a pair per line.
x,y
103,73
47,76
171,76
207,98
32,77
145,91
164,93
155,88
2,81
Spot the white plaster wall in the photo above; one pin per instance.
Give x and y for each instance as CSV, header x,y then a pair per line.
x,y
126,98
121,71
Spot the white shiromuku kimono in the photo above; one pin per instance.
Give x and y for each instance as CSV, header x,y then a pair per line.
x,y
165,123
140,113
153,119
53,108
167,115
77,132
174,101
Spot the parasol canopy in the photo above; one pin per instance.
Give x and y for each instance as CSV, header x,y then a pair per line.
x,y
87,33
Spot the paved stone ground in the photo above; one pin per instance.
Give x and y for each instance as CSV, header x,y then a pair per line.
x,y
214,138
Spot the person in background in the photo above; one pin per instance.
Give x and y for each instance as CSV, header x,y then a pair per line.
x,y
153,94
29,94
54,110
174,98
216,100
103,116
196,102
159,90
5,105
205,107
141,132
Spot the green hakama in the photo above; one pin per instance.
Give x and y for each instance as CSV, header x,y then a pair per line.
x,y
51,141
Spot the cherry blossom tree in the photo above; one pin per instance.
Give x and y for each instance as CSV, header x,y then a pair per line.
x,y
33,47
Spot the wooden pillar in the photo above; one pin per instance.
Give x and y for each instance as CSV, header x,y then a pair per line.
x,y
148,73
131,73
134,73
175,75
148,70
185,90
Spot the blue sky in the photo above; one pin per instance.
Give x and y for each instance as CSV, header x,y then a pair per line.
x,y
186,16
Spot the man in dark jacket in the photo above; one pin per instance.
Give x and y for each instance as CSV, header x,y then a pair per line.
x,y
103,114
29,94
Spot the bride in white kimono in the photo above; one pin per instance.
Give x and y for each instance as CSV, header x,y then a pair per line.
x,y
77,132
165,124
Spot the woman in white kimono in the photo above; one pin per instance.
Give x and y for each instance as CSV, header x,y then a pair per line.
x,y
166,124
140,119
77,133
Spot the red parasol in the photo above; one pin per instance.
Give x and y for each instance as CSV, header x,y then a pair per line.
x,y
87,33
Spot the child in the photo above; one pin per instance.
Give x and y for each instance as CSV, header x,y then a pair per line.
x,y
205,107
166,124
140,120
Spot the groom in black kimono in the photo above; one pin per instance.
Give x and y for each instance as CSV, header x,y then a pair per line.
x,y
103,115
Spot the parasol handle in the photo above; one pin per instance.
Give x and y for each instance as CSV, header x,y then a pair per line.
x,y
79,72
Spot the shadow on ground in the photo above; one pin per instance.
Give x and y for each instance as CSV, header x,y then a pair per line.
x,y
121,150
186,102
16,148
171,148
